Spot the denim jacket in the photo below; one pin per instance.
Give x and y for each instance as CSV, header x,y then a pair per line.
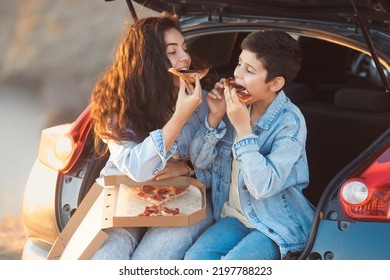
x,y
273,172
142,161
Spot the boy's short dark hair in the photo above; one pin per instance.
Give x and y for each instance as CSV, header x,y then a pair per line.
x,y
280,53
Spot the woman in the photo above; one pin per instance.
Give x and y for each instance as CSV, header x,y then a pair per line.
x,y
148,117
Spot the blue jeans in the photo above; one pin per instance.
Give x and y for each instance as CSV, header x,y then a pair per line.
x,y
155,243
229,239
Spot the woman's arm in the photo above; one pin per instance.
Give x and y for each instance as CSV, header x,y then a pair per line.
x,y
140,161
189,98
143,161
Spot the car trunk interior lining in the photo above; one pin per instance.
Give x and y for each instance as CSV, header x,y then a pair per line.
x,y
337,131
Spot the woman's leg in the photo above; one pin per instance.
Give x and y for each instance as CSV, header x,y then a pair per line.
x,y
171,243
120,244
254,246
218,240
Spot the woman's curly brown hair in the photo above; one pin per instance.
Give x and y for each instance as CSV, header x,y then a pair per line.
x,y
136,91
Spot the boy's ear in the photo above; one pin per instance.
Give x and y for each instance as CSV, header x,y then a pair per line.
x,y
277,84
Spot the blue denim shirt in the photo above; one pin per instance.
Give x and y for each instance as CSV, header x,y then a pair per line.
x,y
142,161
273,172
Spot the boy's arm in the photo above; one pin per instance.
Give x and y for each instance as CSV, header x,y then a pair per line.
x,y
216,104
202,148
266,175
238,113
203,145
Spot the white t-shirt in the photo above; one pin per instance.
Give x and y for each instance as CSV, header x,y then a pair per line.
x,y
232,208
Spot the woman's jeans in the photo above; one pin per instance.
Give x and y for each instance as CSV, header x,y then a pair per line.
x,y
155,243
229,239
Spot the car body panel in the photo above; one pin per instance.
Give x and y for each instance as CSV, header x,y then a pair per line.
x,y
338,240
35,250
39,203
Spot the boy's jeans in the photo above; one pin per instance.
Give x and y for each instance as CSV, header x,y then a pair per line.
x,y
229,239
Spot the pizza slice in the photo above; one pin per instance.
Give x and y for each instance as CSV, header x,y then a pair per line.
x,y
189,75
157,194
242,93
159,210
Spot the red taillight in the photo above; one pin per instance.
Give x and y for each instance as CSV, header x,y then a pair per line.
x,y
60,146
367,195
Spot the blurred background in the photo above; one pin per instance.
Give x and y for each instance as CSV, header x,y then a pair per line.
x,y
51,55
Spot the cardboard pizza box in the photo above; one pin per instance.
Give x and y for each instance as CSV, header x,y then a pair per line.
x,y
111,206
117,202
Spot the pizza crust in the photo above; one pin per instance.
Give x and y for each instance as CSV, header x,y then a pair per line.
x,y
189,75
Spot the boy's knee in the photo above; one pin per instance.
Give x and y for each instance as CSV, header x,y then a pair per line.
x,y
194,254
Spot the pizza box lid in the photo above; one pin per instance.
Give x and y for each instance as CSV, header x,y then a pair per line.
x,y
118,203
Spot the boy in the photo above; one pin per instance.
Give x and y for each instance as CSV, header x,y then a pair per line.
x,y
253,155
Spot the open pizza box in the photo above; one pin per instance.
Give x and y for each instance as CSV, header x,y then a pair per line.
x,y
112,205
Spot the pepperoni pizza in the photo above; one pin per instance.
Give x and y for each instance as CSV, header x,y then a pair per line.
x,y
159,210
157,194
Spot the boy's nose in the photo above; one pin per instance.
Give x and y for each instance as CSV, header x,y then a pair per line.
x,y
237,73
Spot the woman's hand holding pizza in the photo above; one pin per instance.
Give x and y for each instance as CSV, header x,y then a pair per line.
x,y
189,98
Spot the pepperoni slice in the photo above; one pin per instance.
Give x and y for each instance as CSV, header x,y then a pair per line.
x,y
148,188
157,197
162,191
179,191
